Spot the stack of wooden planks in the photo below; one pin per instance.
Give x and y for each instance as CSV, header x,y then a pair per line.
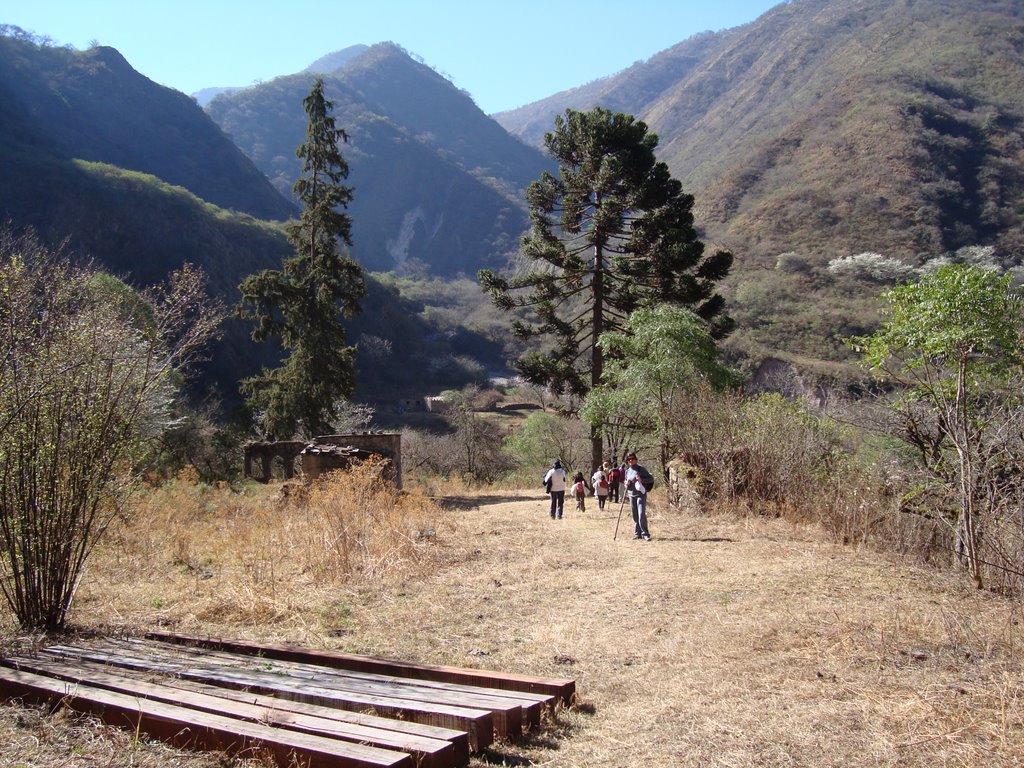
x,y
320,708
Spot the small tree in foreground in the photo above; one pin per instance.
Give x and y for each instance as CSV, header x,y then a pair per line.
x,y
952,343
85,384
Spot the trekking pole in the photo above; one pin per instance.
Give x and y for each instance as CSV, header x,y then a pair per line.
x,y
621,505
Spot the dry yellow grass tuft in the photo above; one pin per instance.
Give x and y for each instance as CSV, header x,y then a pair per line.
x,y
726,641
265,557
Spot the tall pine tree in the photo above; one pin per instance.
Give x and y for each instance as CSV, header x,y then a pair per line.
x,y
304,303
613,233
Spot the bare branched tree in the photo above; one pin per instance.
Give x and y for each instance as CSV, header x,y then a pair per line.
x,y
87,377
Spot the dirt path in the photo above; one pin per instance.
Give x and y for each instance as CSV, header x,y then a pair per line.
x,y
719,643
722,642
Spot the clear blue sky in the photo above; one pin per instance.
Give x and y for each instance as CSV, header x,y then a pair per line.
x,y
505,54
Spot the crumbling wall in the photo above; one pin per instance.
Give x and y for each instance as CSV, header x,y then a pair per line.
x,y
318,457
263,455
323,454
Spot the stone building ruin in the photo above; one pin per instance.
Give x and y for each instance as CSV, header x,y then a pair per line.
x,y
266,461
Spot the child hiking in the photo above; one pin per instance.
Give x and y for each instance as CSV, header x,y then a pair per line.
x,y
615,479
601,486
579,491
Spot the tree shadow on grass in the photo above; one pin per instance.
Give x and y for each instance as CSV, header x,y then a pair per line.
x,y
472,502
694,540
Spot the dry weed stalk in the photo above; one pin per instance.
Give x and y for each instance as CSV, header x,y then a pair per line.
x,y
259,556
357,522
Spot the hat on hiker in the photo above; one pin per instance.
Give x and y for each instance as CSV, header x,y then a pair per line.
x,y
556,464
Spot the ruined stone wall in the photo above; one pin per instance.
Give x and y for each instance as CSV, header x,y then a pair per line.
x,y
262,458
386,444
268,455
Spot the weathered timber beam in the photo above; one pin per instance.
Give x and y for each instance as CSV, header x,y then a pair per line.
x,y
478,723
191,729
562,689
428,752
532,704
508,713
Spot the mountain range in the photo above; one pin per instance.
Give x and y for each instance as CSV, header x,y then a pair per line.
x,y
832,128
823,129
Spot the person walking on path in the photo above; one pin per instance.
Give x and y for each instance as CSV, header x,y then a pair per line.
x,y
579,491
614,481
555,481
638,482
600,484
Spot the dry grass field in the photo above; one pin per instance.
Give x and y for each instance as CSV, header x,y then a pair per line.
x,y
725,641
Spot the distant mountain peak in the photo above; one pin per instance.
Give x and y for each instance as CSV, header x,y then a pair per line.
x,y
332,62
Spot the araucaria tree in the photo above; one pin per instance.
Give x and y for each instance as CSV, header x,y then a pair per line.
x,y
611,234
304,304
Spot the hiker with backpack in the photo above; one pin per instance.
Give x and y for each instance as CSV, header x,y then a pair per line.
x,y
615,478
639,481
601,486
554,482
579,491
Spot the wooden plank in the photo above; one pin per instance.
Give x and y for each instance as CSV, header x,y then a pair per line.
x,y
563,690
458,739
192,729
478,723
428,752
509,714
532,704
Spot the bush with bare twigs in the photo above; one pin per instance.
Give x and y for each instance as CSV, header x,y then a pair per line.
x,y
88,372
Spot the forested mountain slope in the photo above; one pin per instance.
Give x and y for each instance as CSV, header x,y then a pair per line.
x,y
438,184
70,119
822,130
93,106
832,127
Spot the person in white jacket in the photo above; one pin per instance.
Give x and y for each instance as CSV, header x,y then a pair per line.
x,y
635,474
555,482
599,482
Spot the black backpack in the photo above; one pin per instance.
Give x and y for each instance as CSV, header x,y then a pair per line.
x,y
648,482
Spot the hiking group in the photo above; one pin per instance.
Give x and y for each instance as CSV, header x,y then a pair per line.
x,y
632,478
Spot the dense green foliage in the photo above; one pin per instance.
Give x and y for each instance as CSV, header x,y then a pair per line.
x,y
141,229
547,435
304,302
662,355
953,341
